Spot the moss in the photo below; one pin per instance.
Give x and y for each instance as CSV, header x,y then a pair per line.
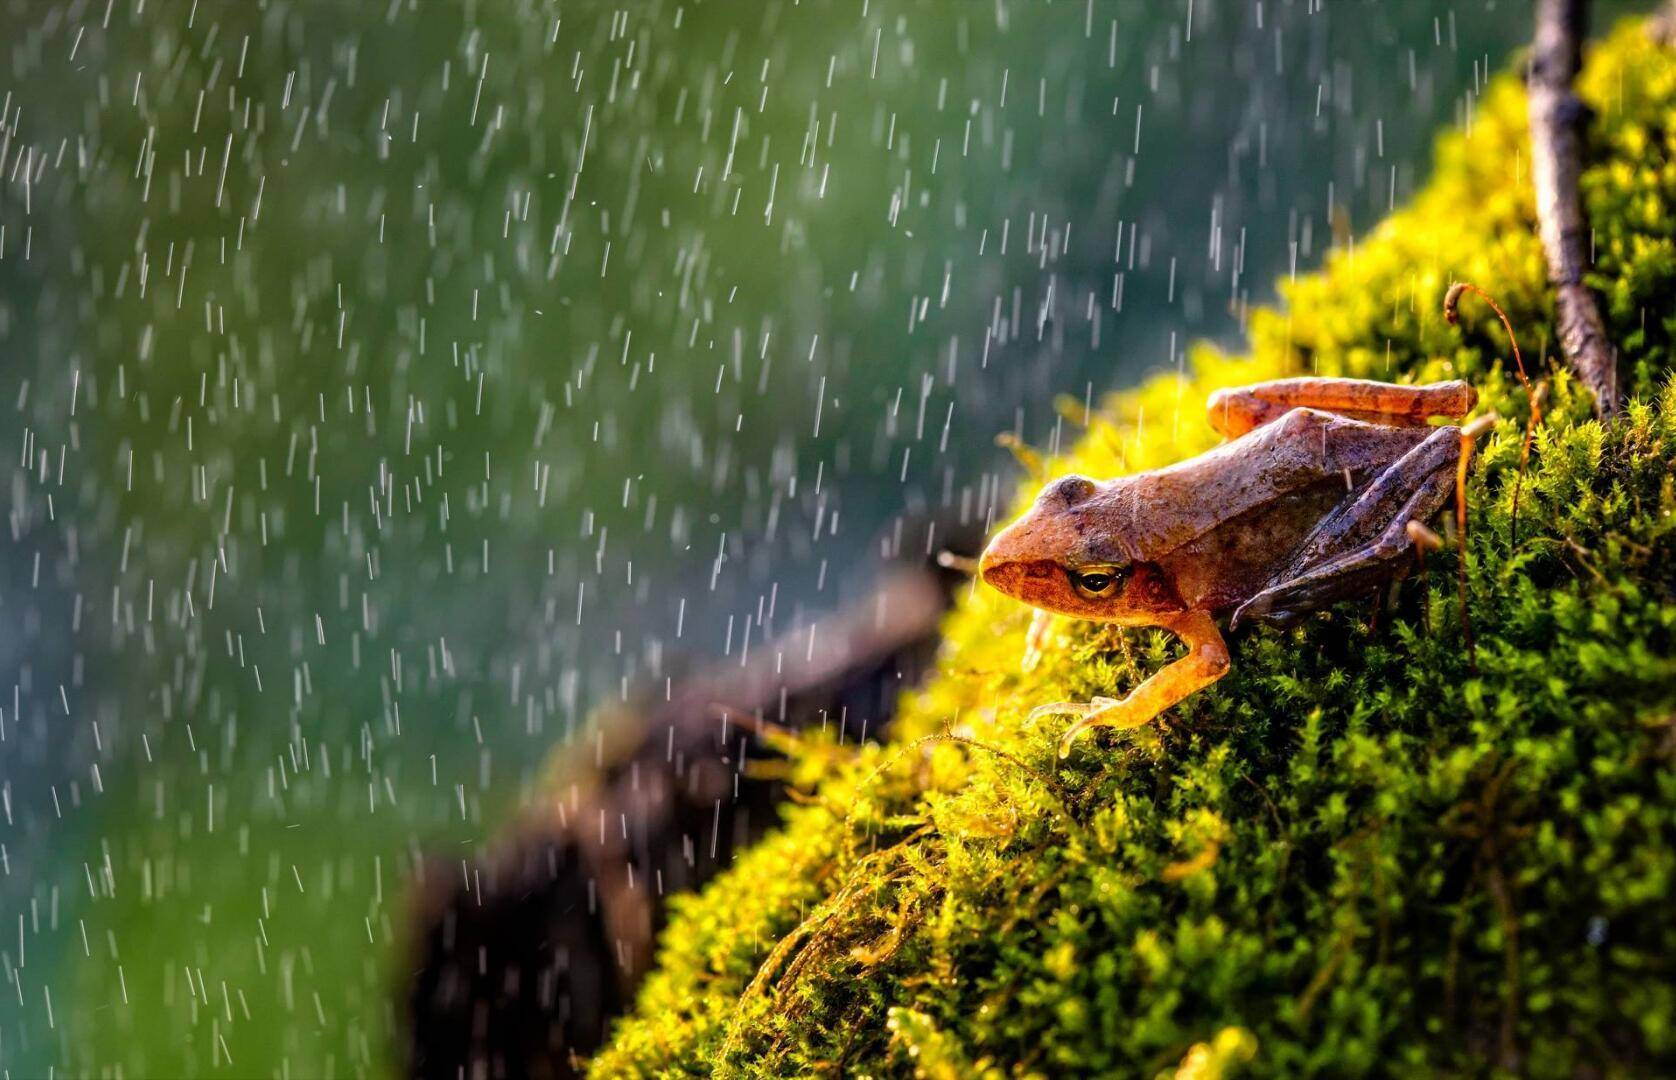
x,y
1365,850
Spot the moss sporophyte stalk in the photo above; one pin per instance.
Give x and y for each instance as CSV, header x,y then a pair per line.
x,y
1357,852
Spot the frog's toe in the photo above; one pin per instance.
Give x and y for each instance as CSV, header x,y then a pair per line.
x,y
1071,734
1254,608
1063,708
1058,708
1103,712
1262,608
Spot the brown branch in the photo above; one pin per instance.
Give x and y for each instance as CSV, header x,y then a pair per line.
x,y
1557,119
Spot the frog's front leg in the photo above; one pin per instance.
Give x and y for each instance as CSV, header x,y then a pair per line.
x,y
1206,661
1361,546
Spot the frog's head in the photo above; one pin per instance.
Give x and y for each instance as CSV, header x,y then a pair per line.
x,y
1067,554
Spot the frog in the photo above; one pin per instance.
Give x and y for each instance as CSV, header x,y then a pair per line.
x,y
1320,492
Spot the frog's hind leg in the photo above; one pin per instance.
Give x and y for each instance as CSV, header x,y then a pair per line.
x,y
1235,411
1360,546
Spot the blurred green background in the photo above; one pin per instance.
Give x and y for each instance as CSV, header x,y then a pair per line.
x,y
385,384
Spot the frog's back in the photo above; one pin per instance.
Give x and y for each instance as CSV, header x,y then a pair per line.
x,y
1230,563
1223,520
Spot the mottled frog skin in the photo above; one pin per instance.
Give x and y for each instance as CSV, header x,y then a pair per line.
x,y
1308,502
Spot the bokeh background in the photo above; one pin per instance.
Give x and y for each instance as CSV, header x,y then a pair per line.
x,y
384,386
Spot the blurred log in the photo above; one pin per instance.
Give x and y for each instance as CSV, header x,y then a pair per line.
x,y
525,956
1557,122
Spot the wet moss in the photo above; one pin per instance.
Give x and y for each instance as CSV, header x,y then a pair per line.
x,y
1364,851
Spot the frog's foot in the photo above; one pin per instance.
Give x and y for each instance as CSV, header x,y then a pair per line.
x,y
1360,547
1035,639
1097,712
1206,661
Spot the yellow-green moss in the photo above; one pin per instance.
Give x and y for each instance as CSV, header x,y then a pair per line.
x,y
1358,849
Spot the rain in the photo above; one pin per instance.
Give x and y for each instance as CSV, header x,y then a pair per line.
x,y
393,395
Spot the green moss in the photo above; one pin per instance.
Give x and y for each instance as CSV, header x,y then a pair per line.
x,y
1363,849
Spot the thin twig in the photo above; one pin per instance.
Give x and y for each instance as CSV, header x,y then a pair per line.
x,y
1557,119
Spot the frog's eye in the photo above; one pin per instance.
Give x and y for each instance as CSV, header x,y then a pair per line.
x,y
1096,582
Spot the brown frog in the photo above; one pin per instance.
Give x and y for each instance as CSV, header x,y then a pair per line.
x,y
1309,501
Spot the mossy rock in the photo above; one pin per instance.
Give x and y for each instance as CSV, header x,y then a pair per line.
x,y
1369,849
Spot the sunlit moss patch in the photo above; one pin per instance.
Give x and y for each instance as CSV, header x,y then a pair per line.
x,y
1365,850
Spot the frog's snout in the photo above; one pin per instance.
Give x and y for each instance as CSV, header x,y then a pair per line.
x,y
999,565
993,566
1025,553
1012,559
